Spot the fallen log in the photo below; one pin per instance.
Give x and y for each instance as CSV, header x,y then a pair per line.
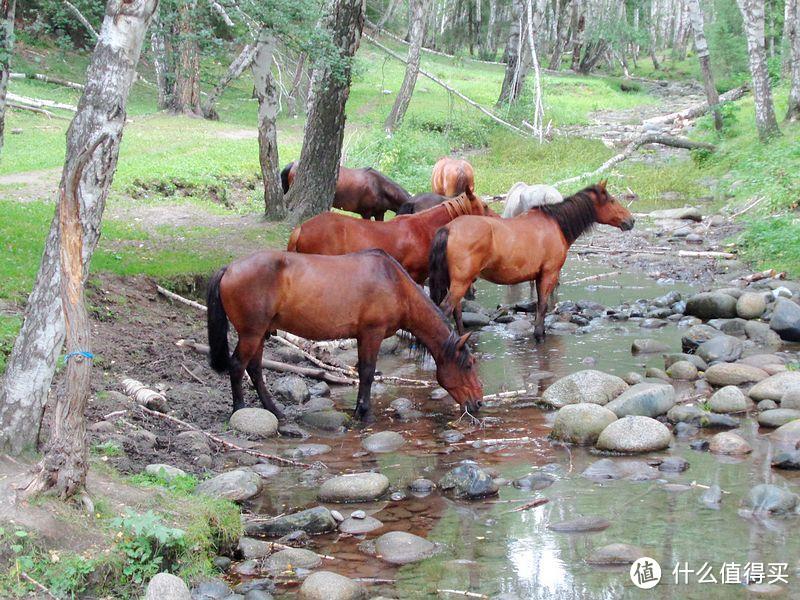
x,y
38,103
658,252
48,79
591,278
453,91
698,109
33,109
274,365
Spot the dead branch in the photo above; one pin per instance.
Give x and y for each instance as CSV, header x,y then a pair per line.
x,y
38,103
698,109
463,593
74,9
453,91
529,505
33,109
650,138
181,299
37,585
656,251
140,393
47,79
274,365
215,438
591,278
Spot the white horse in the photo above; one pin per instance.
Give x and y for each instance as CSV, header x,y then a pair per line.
x,y
522,197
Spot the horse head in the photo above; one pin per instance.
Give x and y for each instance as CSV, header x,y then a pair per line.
x,y
609,210
457,373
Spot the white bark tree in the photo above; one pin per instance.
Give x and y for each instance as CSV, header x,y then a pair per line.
x,y
793,43
514,57
6,48
93,142
701,46
753,17
416,33
242,61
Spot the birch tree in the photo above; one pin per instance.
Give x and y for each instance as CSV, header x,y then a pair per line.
x,y
158,44
416,33
93,141
6,49
701,47
243,60
793,43
753,17
185,97
318,167
516,64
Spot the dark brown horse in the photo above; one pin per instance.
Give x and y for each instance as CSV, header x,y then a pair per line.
x,y
421,202
452,176
366,295
407,238
530,247
366,191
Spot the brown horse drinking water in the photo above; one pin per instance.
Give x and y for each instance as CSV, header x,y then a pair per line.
x,y
452,176
530,247
366,191
407,238
366,295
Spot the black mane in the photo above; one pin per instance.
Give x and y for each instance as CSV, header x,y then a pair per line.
x,y
576,214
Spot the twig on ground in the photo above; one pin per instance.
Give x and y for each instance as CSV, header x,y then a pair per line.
x,y
591,278
38,585
463,593
529,505
192,375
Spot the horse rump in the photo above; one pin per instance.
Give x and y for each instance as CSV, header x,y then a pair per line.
x,y
285,176
438,271
218,355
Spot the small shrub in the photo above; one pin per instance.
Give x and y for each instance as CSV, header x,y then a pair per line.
x,y
147,545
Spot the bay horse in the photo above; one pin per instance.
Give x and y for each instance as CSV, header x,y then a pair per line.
x,y
366,295
452,176
407,238
530,247
522,197
421,202
366,191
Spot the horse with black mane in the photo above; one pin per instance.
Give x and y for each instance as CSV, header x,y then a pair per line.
x,y
530,247
366,191
421,202
366,295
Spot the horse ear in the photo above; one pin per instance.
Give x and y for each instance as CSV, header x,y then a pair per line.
x,y
602,184
463,340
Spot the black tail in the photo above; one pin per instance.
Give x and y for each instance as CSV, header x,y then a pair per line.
x,y
407,208
438,271
285,177
218,354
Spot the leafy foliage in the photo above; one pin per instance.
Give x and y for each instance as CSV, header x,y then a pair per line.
x,y
147,545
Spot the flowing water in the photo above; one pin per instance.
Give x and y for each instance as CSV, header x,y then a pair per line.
x,y
492,550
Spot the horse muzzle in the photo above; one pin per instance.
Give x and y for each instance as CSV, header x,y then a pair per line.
x,y
627,224
474,406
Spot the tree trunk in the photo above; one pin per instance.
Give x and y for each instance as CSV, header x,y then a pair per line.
x,y
164,79
491,47
560,36
93,143
416,29
318,168
701,46
235,69
577,42
297,92
653,31
6,49
388,14
793,41
516,65
186,91
753,16
268,105
534,24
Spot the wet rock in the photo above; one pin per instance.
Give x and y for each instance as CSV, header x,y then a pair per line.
x,y
383,441
787,460
647,346
305,450
237,486
769,498
589,385
667,299
222,563
785,320
320,388
724,348
291,559
354,487
731,443
399,548
651,323
579,525
689,322
247,568
165,586
325,585
735,327
326,420
291,389
762,335
700,445
644,399
685,430
674,464
312,521
265,470
671,359
358,514
474,319
468,481
192,442
581,423
254,421
722,374
609,469
422,486
253,548
762,360
355,526
682,370
711,305
164,472
520,326
729,399
655,375
696,335
535,481
254,595
337,515
712,497
451,436
635,434
689,213
615,554
751,305
791,399
439,394
632,378
775,386
778,417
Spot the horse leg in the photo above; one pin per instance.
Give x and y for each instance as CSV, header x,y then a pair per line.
x,y
379,215
368,346
242,355
254,370
454,296
544,287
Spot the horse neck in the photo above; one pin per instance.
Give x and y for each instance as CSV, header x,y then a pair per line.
x,y
438,215
426,323
395,194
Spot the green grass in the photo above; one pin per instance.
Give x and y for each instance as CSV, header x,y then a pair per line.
x,y
772,243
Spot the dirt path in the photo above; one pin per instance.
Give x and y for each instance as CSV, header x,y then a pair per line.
x,y
31,185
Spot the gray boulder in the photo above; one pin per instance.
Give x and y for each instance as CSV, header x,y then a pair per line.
x,y
165,586
761,334
163,471
608,469
671,359
689,213
724,348
728,442
635,434
581,423
251,548
326,420
615,554
468,481
474,319
785,320
769,498
354,526
254,421
383,441
722,374
777,417
291,559
696,335
648,346
682,370
791,399
645,399
291,389
354,487
751,305
786,436
775,386
399,548
237,486
326,585
313,521
588,385
729,399
711,305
